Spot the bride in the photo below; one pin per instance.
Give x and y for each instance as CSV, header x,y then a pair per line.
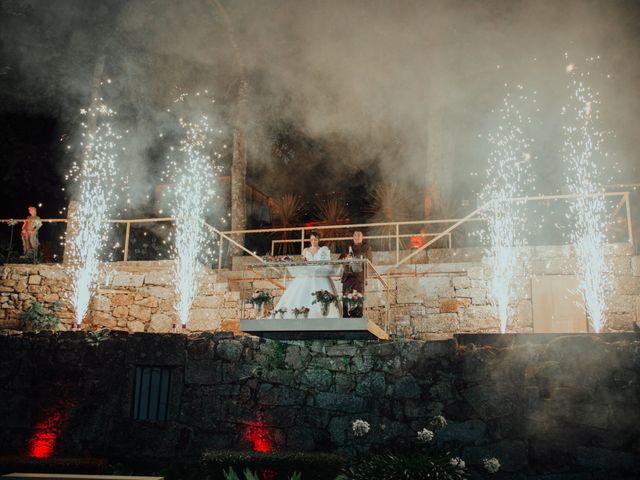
x,y
308,279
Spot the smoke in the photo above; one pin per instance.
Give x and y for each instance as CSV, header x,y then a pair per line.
x,y
337,88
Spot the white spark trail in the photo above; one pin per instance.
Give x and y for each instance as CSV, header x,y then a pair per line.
x,y
508,173
193,190
96,178
581,150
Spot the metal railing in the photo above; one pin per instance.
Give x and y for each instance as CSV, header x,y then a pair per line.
x,y
394,235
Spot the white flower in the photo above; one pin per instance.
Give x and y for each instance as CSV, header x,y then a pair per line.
x,y
458,463
425,435
491,465
360,428
439,422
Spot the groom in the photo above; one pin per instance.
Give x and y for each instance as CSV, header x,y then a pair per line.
x,y
353,275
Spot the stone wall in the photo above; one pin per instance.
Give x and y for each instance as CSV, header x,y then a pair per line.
x,y
133,296
569,405
432,300
449,295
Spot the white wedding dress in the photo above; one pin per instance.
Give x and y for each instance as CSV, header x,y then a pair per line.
x,y
308,279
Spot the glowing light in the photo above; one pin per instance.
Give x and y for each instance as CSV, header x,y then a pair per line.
x,y
192,180
507,174
580,152
96,179
47,431
259,436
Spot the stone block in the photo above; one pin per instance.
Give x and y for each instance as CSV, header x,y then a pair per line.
x,y
140,312
316,378
150,302
371,385
122,299
201,322
121,311
163,293
160,323
342,350
208,301
454,305
270,395
626,285
341,402
460,282
437,323
620,322
446,292
55,273
135,326
524,314
229,350
635,266
102,320
618,265
475,272
478,318
406,387
125,279
158,277
411,291
35,280
101,303
620,303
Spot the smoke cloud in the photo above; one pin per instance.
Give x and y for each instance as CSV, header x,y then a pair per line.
x,y
337,89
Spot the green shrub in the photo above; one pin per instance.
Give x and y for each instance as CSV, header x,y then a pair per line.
x,y
249,475
41,317
310,465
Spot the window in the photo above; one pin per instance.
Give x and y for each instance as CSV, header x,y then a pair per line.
x,y
151,393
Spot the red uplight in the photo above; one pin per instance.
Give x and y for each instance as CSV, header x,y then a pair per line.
x,y
259,436
46,432
43,441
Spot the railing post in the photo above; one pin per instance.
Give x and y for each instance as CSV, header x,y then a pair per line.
x,y
397,242
127,232
220,245
629,224
388,315
301,241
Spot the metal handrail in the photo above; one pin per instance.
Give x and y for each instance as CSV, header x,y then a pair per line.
x,y
454,223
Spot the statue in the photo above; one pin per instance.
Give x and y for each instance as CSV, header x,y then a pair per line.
x,y
30,229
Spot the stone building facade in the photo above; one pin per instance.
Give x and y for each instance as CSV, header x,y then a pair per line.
x,y
443,293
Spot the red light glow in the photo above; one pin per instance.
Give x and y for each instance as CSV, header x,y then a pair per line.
x,y
259,436
43,441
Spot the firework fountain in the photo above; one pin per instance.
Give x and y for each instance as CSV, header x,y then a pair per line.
x,y
97,183
192,178
581,149
508,172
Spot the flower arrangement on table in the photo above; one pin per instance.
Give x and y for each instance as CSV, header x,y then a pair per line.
x,y
304,311
353,300
259,299
279,312
325,298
